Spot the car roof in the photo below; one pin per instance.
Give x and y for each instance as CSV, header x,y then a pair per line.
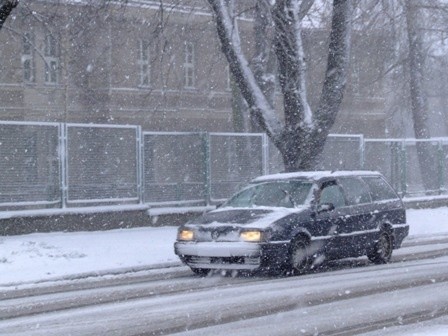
x,y
315,175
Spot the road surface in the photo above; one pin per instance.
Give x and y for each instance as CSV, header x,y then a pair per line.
x,y
348,297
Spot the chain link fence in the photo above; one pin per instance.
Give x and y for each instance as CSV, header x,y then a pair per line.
x,y
387,157
51,165
102,164
235,159
174,168
343,152
414,167
29,165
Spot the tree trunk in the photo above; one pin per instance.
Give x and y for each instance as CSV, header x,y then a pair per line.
x,y
303,151
428,166
259,106
263,62
301,138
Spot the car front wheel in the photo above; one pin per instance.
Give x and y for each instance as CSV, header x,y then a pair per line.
x,y
382,251
201,271
299,256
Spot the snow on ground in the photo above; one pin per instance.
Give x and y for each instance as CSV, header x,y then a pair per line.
x,y
436,327
427,221
44,256
50,256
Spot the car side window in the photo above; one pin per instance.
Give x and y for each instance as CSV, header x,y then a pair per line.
x,y
356,190
331,193
380,189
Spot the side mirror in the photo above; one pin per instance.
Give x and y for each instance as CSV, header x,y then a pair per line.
x,y
325,207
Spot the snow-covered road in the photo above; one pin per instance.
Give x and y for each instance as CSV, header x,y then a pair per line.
x,y
347,298
139,295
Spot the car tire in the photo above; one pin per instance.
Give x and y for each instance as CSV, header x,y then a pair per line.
x,y
382,250
299,256
201,271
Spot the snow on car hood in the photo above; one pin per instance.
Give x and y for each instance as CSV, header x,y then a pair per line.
x,y
256,217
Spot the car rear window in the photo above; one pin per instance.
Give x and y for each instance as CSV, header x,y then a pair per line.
x,y
380,189
356,191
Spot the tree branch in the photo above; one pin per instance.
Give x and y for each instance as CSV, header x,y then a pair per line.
x,y
292,68
337,64
244,77
6,7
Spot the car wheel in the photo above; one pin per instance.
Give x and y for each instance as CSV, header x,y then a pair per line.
x,y
201,271
382,251
299,256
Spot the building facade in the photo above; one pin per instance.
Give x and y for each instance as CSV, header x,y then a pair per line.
x,y
153,64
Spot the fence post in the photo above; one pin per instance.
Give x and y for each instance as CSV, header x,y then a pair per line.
x,y
395,164
207,167
361,151
265,154
403,168
140,165
441,168
63,163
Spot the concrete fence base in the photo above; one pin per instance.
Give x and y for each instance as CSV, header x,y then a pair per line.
x,y
124,217
85,219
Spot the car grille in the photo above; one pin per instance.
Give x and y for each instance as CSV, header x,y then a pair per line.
x,y
224,233
223,262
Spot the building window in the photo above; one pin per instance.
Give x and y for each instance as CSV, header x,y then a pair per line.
x,y
28,57
51,60
189,71
144,63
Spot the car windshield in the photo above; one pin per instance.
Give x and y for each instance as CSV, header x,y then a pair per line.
x,y
287,194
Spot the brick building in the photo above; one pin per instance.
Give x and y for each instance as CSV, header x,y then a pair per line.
x,y
147,64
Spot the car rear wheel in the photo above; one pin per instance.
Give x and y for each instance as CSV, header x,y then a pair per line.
x,y
300,258
382,251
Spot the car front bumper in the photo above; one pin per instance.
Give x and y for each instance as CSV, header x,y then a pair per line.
x,y
230,255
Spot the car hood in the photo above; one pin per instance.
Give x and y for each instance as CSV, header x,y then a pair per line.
x,y
259,217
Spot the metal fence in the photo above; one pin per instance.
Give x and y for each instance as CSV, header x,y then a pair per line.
x,y
101,164
53,165
174,168
198,168
29,164
234,160
411,173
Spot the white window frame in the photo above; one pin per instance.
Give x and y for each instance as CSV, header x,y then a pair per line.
x,y
51,60
28,57
144,58
189,66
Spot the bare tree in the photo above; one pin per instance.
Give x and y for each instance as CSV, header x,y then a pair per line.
x,y
6,7
416,68
301,137
413,32
418,99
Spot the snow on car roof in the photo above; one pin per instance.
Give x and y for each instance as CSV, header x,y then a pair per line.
x,y
314,175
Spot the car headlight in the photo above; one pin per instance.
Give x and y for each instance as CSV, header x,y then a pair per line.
x,y
185,235
251,235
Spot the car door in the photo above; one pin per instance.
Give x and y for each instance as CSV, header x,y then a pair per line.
x,y
361,223
332,215
389,208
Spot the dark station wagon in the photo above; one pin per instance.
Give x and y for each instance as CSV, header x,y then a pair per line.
x,y
291,222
